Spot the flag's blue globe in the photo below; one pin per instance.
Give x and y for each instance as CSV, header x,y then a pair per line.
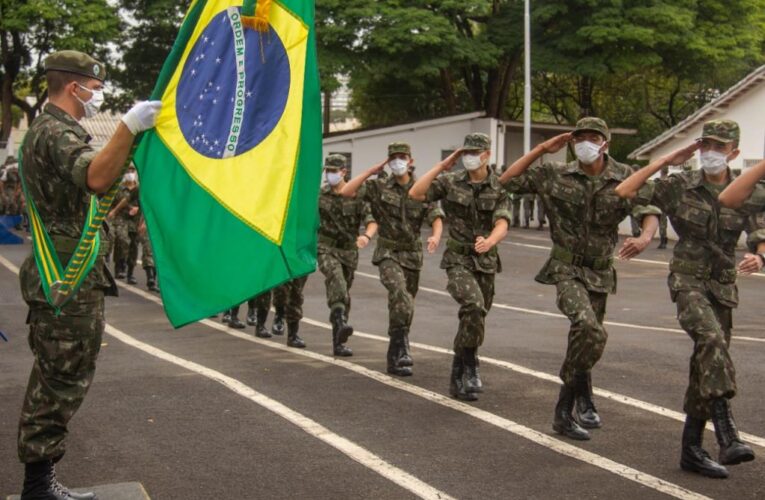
x,y
233,89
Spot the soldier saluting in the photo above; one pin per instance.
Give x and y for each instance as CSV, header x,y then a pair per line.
x,y
60,171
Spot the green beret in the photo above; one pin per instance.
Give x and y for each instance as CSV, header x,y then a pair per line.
x,y
724,131
477,142
76,62
592,124
399,147
335,161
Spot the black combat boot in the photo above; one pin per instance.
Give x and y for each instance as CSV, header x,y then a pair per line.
x,y
733,451
694,458
120,268
89,495
151,279
471,376
405,356
341,330
564,422
278,327
130,277
40,483
293,339
234,321
261,315
251,320
226,316
662,243
584,410
456,383
395,347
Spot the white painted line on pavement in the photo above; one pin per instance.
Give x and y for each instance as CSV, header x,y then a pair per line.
x,y
537,312
519,430
311,427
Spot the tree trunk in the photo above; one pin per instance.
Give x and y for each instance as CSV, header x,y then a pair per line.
x,y
505,89
493,90
586,84
447,91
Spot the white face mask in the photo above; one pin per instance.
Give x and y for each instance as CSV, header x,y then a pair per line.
x,y
92,105
471,162
130,177
333,178
713,162
398,166
587,152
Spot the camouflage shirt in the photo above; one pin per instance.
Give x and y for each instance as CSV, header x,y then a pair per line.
x,y
399,220
339,222
704,257
472,209
55,161
584,214
10,178
123,216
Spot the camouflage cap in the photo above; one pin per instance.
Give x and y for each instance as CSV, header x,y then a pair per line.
x,y
399,147
477,142
73,61
724,131
335,161
592,124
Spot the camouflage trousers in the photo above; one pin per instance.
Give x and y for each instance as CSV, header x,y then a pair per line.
x,y
474,292
65,351
261,301
125,244
9,202
338,279
290,296
712,374
147,254
586,336
516,204
402,285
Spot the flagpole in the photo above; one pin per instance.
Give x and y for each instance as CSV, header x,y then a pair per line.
x,y
527,80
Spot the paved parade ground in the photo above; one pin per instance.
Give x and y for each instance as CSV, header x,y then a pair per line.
x,y
209,412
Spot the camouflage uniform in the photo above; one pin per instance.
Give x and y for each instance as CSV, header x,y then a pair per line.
x,y
290,296
528,209
126,229
398,254
472,209
56,157
338,256
584,214
515,200
702,279
10,197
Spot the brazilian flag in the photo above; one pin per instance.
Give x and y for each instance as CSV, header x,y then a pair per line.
x,y
230,174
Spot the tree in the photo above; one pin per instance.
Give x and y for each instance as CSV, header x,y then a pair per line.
x,y
32,29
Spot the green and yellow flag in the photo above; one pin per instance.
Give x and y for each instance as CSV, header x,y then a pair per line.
x,y
231,173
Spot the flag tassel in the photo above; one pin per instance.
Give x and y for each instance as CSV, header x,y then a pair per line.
x,y
256,17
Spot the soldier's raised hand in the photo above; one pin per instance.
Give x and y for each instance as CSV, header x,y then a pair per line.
x,y
682,155
450,160
378,168
557,143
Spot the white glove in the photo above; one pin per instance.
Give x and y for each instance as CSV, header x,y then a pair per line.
x,y
142,116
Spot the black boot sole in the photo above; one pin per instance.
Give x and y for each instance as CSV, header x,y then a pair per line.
x,y
296,345
587,425
740,459
690,467
570,434
345,353
462,396
399,371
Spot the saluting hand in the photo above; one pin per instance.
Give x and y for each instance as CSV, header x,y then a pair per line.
x,y
557,143
447,164
483,245
750,264
378,168
682,155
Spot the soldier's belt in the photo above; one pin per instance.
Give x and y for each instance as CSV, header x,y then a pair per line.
x,y
465,248
399,246
702,271
568,257
68,246
336,243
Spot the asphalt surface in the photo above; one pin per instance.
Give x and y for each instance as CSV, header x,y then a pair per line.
x,y
209,412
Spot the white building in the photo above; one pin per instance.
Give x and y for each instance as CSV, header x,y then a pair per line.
x,y
743,103
433,140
